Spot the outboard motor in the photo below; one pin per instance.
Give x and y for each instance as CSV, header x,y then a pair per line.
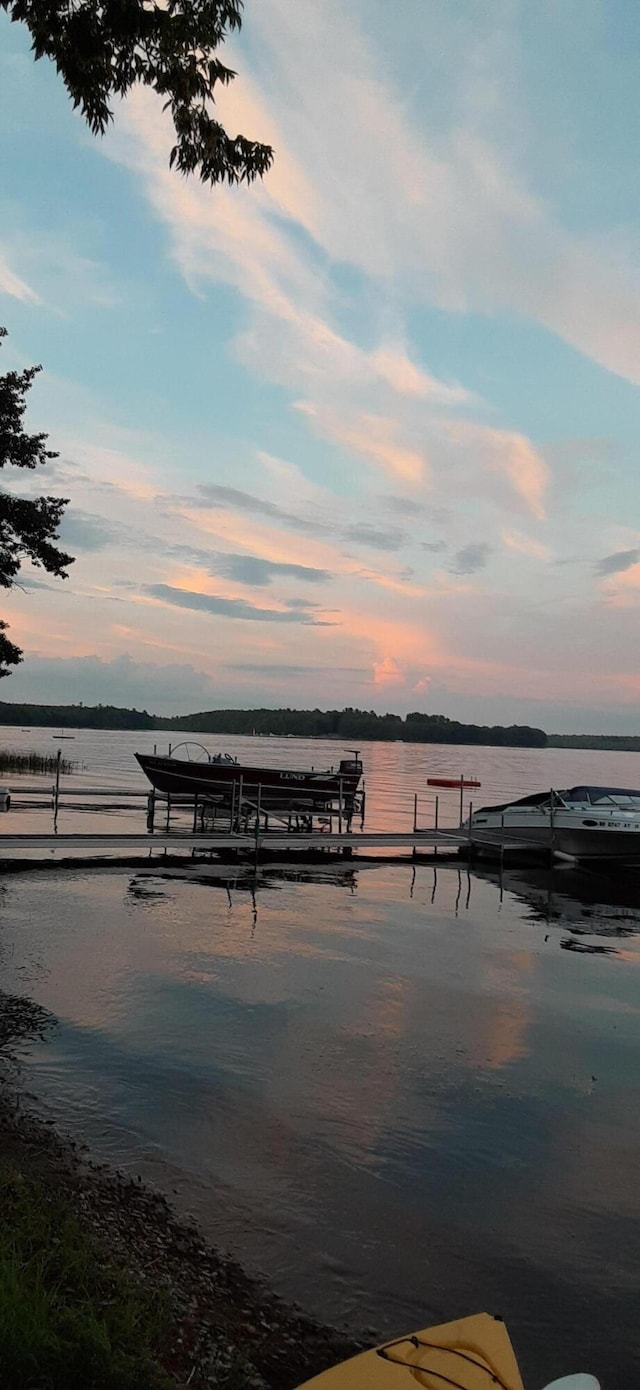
x,y
5,798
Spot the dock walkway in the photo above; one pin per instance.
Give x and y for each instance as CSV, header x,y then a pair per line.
x,y
244,843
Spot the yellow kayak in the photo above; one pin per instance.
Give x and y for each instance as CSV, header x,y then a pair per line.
x,y
470,1354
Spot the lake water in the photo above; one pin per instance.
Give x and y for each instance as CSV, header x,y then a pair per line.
x,y
405,1094
394,773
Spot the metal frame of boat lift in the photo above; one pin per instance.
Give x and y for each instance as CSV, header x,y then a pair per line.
x,y
250,839
240,836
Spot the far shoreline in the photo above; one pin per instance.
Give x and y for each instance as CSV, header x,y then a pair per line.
x,y
322,726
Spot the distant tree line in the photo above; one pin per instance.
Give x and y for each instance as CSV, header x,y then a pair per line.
x,y
75,716
621,743
346,724
355,724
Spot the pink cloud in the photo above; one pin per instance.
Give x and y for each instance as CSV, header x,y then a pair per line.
x,y
526,545
387,672
371,436
507,454
12,285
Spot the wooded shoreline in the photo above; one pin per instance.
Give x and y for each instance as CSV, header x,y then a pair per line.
x,y
346,724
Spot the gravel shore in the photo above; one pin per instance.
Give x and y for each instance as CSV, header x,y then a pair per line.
x,y
226,1328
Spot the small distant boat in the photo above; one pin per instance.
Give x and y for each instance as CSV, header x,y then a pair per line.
x,y
61,735
471,1354
455,782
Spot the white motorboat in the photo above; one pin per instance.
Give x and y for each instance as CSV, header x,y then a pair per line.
x,y
581,823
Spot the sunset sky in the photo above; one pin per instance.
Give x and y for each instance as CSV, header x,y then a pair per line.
x,y
367,434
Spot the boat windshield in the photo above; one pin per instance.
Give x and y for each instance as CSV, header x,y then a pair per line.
x,y
598,796
580,796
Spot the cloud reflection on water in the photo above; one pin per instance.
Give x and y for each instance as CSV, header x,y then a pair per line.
x,y
388,1087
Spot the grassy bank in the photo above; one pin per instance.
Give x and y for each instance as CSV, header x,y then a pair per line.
x,y
68,1316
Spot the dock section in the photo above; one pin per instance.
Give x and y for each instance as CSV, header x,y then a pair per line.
x,y
241,846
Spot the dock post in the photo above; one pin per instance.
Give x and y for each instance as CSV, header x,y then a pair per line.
x,y
470,837
502,842
364,798
461,799
232,811
168,810
435,826
552,828
257,826
195,813
239,810
415,811
56,796
151,810
340,807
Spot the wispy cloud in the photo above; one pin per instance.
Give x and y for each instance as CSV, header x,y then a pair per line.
x,y
217,496
82,531
222,607
377,537
471,558
507,459
13,286
526,545
618,562
456,222
378,405
256,571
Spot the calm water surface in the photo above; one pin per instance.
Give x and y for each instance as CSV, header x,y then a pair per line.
x,y
405,1095
394,773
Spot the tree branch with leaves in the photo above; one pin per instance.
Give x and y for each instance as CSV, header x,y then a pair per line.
x,y
28,525
103,48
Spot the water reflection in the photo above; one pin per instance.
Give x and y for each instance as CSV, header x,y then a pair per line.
x,y
385,1085
588,902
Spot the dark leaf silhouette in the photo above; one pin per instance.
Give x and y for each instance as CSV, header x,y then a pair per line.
x,y
103,48
28,525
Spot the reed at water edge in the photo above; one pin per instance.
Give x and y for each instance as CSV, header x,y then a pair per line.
x,y
32,762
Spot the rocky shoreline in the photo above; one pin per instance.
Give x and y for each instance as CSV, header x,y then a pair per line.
x,y
226,1329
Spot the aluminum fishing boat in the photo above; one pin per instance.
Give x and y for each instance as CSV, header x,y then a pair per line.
x,y
581,823
190,770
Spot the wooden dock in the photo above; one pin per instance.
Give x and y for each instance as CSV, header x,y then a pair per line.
x,y
245,845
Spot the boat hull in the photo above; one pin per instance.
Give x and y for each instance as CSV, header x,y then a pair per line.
x,y
278,788
582,842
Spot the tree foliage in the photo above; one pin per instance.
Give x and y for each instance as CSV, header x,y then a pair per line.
x,y
357,725
102,48
28,525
